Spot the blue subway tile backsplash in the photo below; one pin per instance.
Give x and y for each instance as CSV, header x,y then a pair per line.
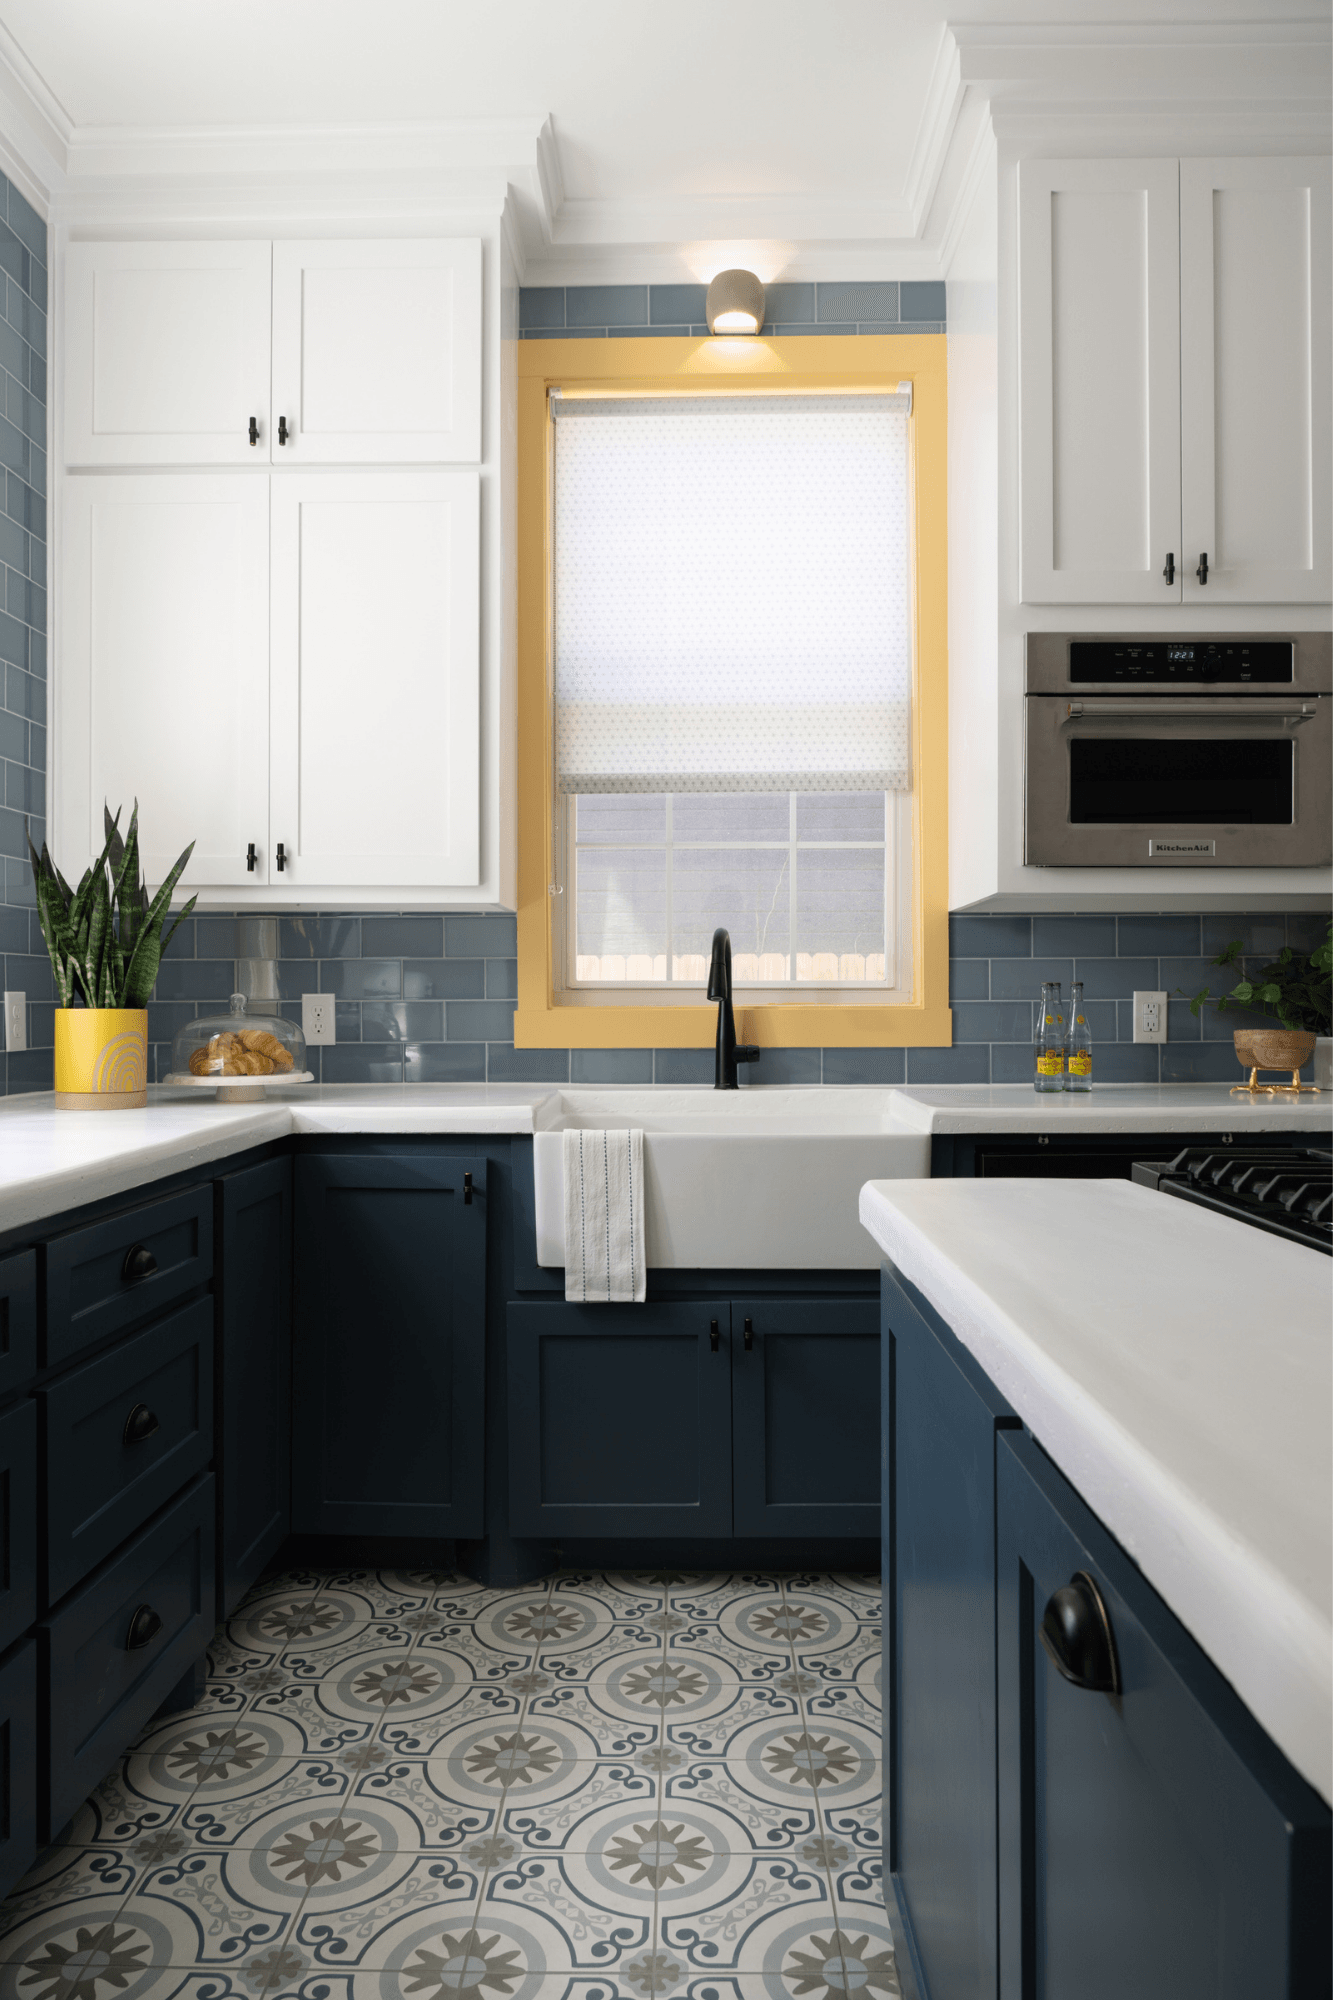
x,y
576,312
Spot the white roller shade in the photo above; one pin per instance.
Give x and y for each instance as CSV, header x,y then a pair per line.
x,y
732,611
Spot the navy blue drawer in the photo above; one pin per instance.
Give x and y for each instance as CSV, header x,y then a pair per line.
x,y
18,1521
18,1320
18,1765
109,1274
101,1688
122,1434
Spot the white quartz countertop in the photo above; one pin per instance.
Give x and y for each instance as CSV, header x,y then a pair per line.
x,y
1178,1367
54,1160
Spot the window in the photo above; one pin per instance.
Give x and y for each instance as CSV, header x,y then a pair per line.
x,y
732,686
731,699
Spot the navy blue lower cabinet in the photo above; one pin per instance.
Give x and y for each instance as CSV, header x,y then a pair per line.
x,y
18,1521
805,1430
18,1319
389,1345
254,1373
18,1764
941,1415
619,1420
118,1646
1153,1843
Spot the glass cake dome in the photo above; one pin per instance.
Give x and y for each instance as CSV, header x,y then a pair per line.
x,y
242,1054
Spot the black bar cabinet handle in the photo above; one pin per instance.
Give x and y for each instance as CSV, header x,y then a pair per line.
x,y
714,1337
144,1625
1170,571
250,858
282,857
1202,571
139,1263
467,1190
1076,1633
283,432
749,1334
139,1424
254,431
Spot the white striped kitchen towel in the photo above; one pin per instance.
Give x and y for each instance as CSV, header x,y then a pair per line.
x,y
604,1247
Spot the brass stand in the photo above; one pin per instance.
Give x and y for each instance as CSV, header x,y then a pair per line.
x,y
1256,1089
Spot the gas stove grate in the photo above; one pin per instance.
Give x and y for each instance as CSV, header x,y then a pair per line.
x,y
1287,1190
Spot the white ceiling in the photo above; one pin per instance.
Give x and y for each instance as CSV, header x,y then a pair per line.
x,y
708,120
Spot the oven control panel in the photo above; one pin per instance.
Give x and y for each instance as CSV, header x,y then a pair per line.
x,y
1177,662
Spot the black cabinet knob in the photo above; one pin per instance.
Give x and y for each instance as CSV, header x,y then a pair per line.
x,y
139,1263
283,432
1170,571
254,431
144,1625
714,1337
1202,571
1076,1633
139,1424
749,1334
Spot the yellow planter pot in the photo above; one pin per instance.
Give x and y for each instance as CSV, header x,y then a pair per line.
x,y
101,1058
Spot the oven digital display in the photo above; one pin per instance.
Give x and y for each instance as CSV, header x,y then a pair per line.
x,y
1178,662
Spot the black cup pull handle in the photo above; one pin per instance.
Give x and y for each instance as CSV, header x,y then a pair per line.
x,y
1170,571
1076,1633
714,1337
749,1334
144,1625
283,432
254,431
1202,571
139,1424
139,1263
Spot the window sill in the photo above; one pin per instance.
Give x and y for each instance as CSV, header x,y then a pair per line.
x,y
790,1025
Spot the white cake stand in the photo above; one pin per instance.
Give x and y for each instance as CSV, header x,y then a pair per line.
x,y
240,1089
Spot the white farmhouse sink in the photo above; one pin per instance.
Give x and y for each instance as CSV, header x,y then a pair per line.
x,y
755,1179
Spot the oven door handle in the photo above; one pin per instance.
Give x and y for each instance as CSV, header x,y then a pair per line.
x,y
1239,710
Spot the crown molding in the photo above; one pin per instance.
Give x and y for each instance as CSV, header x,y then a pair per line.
x,y
945,93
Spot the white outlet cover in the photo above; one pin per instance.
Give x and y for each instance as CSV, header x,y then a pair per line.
x,y
318,1019
1149,1017
16,1022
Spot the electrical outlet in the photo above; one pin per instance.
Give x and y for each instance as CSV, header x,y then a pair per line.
x,y
1150,1017
16,1021
318,1023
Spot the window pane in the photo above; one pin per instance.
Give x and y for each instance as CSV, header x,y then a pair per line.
x,y
621,913
840,816
840,914
731,816
620,818
744,889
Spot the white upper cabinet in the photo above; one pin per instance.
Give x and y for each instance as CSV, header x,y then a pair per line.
x,y
163,690
375,589
376,352
1254,389
166,353
321,353
1174,342
1100,379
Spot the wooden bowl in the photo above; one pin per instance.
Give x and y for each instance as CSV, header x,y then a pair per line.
x,y
1275,1048
1245,1056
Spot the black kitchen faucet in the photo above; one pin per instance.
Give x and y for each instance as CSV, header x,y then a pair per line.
x,y
719,989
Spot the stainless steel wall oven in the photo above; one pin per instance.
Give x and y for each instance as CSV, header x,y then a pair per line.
x,y
1211,752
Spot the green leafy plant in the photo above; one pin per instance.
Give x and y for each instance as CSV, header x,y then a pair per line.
x,y
1297,990
105,937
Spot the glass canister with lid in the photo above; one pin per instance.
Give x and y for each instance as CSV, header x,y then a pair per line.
x,y
240,1054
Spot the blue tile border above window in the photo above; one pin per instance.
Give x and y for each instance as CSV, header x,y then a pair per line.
x,y
582,312
429,998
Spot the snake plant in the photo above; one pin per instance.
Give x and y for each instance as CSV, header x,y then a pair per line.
x,y
105,937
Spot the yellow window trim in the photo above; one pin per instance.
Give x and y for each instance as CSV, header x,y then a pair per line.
x,y
844,362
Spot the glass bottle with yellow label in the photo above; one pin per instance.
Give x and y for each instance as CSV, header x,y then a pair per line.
x,y
1078,1043
1049,1047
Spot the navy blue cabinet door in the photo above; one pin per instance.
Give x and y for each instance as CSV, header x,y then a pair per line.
x,y
18,1520
940,1416
805,1417
390,1346
18,1320
18,1765
254,1373
1156,1843
619,1420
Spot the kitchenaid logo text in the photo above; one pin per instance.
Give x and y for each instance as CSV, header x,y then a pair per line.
x,y
1156,847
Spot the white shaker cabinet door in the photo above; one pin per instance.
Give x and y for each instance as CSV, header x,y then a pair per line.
x,y
167,353
1256,329
375,607
163,686
1099,365
377,352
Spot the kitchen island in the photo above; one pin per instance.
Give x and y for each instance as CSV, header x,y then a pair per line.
x,y
1088,1379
